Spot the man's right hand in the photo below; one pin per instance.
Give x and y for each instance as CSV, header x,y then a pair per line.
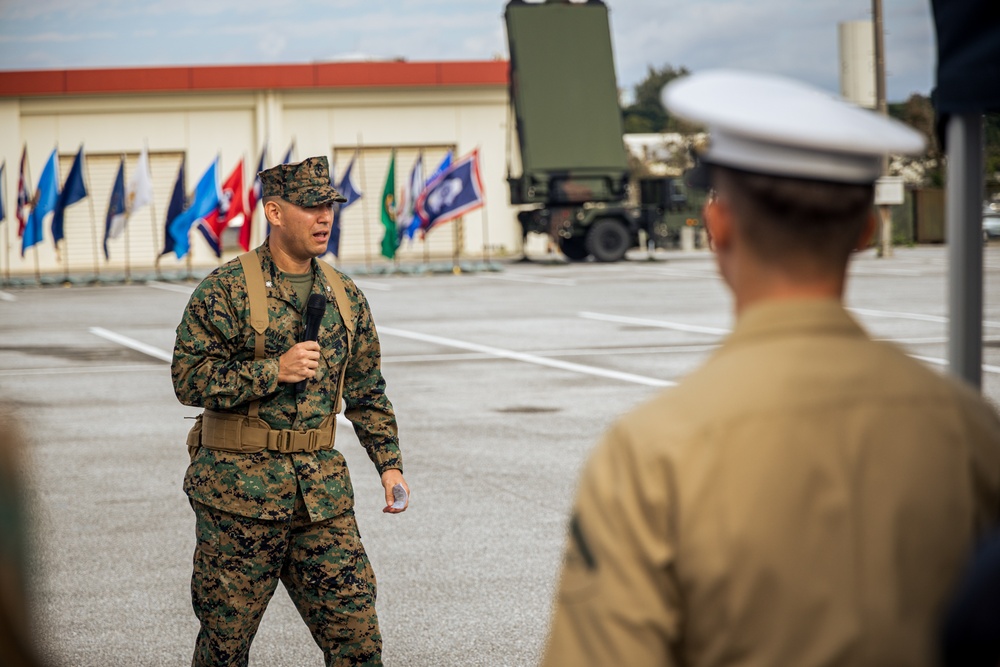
x,y
299,363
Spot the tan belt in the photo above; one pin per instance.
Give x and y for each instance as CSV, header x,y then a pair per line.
x,y
240,433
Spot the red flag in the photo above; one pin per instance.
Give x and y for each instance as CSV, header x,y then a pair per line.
x,y
253,196
231,204
23,195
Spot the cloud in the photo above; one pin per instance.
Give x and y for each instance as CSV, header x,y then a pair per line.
x,y
784,36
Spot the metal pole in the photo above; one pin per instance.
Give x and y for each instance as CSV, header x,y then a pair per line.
x,y
364,207
457,241
487,257
93,220
964,211
63,257
885,213
6,231
152,212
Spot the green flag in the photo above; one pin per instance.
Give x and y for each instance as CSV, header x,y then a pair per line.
x,y
390,241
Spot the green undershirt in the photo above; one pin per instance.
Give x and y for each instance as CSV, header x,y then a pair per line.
x,y
302,283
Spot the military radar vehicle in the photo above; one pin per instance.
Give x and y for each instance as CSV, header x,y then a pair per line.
x,y
574,168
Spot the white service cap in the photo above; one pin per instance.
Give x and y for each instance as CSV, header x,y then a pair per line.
x,y
772,125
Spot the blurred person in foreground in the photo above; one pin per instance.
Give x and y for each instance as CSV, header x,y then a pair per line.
x,y
17,648
808,496
272,497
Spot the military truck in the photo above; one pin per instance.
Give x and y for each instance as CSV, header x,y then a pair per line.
x,y
575,172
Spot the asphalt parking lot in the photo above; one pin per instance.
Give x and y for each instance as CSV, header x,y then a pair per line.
x,y
502,382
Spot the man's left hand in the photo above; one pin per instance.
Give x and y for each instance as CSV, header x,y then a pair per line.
x,y
391,478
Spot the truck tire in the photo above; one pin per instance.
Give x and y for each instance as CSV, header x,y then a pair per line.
x,y
608,240
575,248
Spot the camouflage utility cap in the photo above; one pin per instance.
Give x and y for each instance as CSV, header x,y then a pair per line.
x,y
305,183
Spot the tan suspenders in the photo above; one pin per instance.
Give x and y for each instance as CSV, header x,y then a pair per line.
x,y
238,433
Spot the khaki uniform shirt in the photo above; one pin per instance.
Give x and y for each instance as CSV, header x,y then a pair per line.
x,y
214,367
805,498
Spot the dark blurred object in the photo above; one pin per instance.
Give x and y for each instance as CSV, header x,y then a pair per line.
x,y
972,626
16,648
968,45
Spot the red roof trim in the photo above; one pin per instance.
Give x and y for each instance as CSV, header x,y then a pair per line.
x,y
253,77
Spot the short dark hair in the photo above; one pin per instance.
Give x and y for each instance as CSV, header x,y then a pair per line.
x,y
792,221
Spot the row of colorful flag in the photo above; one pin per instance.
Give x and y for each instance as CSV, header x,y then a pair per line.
x,y
453,189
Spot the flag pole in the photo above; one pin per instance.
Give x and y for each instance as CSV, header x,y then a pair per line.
x,y
6,231
457,239
152,209
486,228
487,258
63,256
93,222
128,266
27,185
364,206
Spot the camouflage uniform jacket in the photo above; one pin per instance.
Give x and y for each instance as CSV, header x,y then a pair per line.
x,y
214,367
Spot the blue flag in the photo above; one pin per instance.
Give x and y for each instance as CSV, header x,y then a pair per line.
x,y
351,193
73,191
206,198
114,221
407,205
458,190
441,168
174,209
3,211
46,195
414,225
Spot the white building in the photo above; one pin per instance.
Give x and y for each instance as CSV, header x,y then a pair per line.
x,y
196,114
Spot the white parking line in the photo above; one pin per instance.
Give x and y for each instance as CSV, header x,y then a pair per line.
x,y
83,370
132,344
367,284
685,327
911,316
170,287
684,273
7,296
561,282
581,352
527,358
859,271
677,326
944,362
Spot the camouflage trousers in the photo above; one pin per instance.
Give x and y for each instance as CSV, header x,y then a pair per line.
x,y
238,563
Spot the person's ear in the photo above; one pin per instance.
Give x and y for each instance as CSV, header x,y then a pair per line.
x,y
865,238
718,223
272,212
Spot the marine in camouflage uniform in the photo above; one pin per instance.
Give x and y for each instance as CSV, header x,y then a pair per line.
x,y
267,516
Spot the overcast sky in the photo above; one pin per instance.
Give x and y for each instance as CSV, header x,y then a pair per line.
x,y
792,37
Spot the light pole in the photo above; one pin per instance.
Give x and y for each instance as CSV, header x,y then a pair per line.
x,y
885,213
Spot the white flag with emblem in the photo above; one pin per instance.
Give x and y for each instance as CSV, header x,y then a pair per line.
x,y
140,187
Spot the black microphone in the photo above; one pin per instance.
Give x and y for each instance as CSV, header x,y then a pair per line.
x,y
315,308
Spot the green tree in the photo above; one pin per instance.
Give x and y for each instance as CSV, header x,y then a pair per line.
x,y
918,112
646,113
991,160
